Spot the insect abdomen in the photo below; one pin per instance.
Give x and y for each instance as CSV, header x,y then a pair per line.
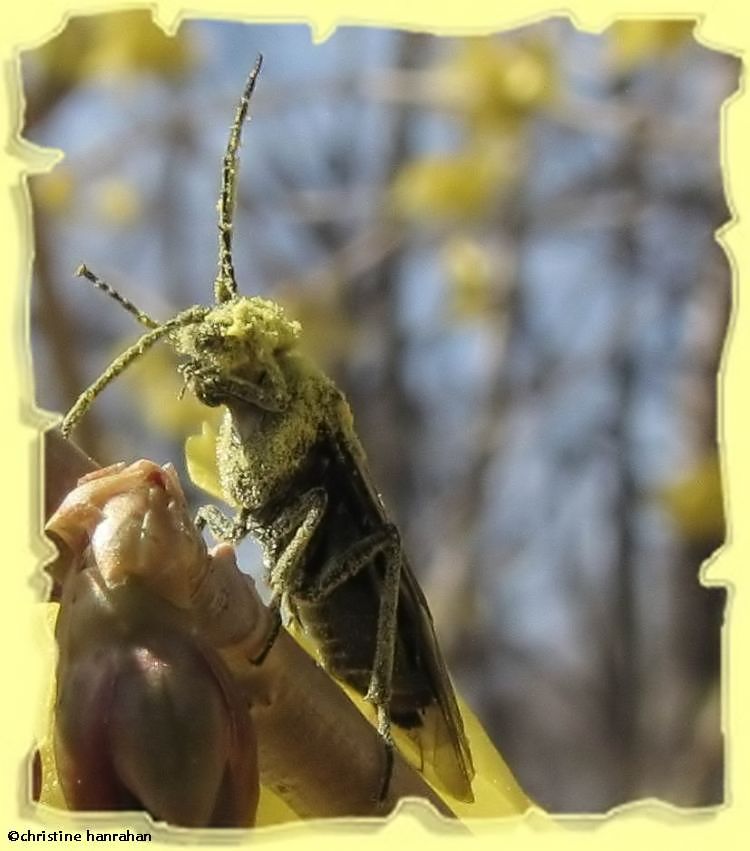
x,y
344,627
344,623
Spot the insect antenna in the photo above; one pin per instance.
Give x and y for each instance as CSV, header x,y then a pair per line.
x,y
84,272
123,361
225,287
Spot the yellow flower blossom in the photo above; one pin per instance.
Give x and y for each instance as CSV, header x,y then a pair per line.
x,y
469,271
634,42
130,40
695,502
54,192
118,202
453,186
499,82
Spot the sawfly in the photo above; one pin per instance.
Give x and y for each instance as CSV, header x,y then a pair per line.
x,y
289,458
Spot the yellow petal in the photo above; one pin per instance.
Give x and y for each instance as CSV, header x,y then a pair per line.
x,y
273,809
200,455
496,791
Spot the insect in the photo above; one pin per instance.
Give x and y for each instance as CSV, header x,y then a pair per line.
x,y
288,456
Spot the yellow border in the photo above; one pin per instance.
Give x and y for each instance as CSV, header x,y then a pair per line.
x,y
725,25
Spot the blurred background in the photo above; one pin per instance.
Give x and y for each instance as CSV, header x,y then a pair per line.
x,y
502,249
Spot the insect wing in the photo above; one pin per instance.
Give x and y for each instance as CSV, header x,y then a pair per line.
x,y
441,736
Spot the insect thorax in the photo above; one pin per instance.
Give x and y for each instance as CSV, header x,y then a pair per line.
x,y
259,452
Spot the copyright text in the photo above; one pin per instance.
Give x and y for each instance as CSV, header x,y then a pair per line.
x,y
79,836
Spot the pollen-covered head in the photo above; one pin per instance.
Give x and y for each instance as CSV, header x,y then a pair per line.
x,y
235,353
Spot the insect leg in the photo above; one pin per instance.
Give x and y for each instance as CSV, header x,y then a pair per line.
x,y
381,680
385,541
274,608
301,519
273,397
223,528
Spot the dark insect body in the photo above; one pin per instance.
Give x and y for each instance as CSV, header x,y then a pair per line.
x,y
289,458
